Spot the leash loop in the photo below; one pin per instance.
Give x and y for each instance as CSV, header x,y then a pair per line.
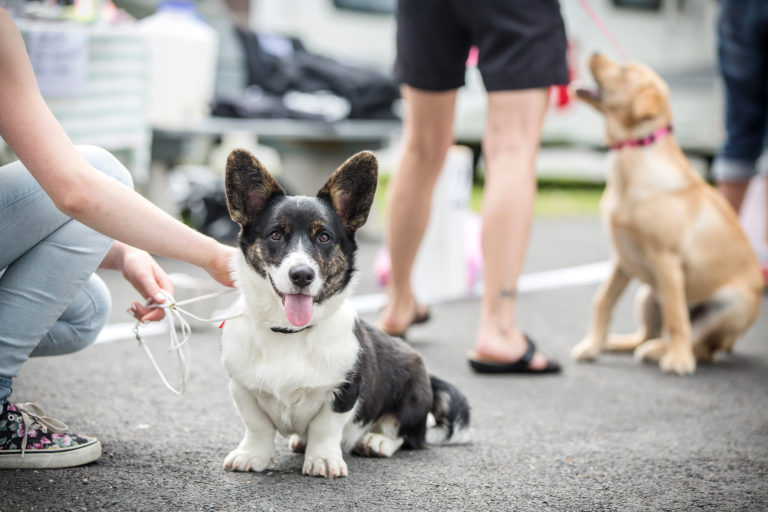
x,y
173,315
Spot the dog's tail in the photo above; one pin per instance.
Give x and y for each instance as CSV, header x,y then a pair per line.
x,y
448,421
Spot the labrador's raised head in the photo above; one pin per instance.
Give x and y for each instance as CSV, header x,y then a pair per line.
x,y
632,97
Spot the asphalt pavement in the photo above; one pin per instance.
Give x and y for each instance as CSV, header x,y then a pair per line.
x,y
610,435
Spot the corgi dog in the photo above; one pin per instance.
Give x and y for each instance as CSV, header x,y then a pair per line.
x,y
300,361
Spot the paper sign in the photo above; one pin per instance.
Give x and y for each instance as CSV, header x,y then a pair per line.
x,y
60,61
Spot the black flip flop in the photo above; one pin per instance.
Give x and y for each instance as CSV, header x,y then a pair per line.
x,y
418,318
519,366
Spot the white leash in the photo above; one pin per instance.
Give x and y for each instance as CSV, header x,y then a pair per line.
x,y
173,313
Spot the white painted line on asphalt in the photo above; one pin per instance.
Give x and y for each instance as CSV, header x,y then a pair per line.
x,y
579,275
564,277
124,331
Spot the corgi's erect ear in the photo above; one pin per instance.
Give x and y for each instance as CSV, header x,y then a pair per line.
x,y
249,186
351,189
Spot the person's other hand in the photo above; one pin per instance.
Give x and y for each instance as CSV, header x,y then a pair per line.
x,y
149,279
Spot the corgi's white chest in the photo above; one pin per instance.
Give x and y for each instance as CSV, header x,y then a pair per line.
x,y
281,364
292,416
292,375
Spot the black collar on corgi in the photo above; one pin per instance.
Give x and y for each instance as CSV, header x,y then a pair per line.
x,y
285,330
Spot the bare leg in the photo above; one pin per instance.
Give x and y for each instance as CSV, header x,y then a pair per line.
x,y
428,133
510,146
734,192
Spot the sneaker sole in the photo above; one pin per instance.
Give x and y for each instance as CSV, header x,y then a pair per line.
x,y
51,458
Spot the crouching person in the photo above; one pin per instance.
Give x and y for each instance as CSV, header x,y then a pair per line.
x,y
64,212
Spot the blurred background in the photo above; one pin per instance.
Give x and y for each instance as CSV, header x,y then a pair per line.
x,y
172,86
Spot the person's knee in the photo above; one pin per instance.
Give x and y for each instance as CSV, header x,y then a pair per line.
x,y
81,322
513,124
428,150
106,162
506,148
100,300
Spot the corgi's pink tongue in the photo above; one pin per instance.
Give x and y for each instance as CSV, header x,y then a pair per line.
x,y
298,308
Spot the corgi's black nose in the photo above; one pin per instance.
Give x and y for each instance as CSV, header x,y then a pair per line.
x,y
301,275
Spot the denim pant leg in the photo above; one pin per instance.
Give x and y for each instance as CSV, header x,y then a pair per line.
x,y
742,38
80,324
50,302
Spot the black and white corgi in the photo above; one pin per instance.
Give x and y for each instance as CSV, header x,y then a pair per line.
x,y
300,361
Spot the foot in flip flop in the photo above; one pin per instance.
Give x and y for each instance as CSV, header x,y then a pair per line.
x,y
419,315
492,364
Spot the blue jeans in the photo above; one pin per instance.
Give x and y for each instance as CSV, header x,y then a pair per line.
x,y
742,29
51,302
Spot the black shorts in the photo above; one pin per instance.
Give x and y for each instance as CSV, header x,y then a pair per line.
x,y
521,43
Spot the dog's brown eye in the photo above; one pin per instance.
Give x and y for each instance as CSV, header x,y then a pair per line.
x,y
323,237
275,235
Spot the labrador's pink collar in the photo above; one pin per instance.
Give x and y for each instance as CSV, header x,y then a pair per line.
x,y
644,141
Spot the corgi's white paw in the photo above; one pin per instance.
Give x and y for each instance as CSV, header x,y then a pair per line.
x,y
243,460
377,445
329,467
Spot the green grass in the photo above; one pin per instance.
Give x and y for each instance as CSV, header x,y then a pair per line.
x,y
555,197
562,198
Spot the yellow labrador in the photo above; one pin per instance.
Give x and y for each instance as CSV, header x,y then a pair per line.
x,y
668,228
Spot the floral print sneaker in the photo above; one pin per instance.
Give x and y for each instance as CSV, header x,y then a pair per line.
x,y
30,439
